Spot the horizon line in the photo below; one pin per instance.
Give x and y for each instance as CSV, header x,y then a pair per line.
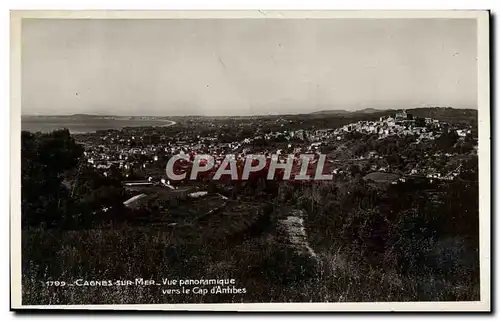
x,y
254,115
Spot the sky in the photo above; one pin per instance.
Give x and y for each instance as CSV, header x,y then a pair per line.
x,y
217,67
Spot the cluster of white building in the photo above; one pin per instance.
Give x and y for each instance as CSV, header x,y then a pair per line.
x,y
400,125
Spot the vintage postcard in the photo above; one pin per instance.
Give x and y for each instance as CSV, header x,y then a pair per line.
x,y
250,160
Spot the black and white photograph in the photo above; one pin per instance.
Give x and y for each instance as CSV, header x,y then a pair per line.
x,y
260,159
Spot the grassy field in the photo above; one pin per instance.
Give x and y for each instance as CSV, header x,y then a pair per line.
x,y
267,273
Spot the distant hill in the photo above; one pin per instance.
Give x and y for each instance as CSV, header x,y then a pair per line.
x,y
447,114
331,112
432,112
74,116
441,113
368,111
87,117
435,112
346,112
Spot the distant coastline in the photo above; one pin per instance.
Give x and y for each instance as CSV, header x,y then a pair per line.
x,y
80,124
85,123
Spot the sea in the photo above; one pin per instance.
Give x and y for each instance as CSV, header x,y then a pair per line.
x,y
81,126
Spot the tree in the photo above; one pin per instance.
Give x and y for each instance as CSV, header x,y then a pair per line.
x,y
447,140
420,122
46,158
354,169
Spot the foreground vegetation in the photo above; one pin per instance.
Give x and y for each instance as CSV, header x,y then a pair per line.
x,y
363,256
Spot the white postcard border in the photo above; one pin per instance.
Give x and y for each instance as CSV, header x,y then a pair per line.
x,y
482,17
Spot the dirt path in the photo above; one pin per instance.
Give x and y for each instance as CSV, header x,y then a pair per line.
x,y
291,231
